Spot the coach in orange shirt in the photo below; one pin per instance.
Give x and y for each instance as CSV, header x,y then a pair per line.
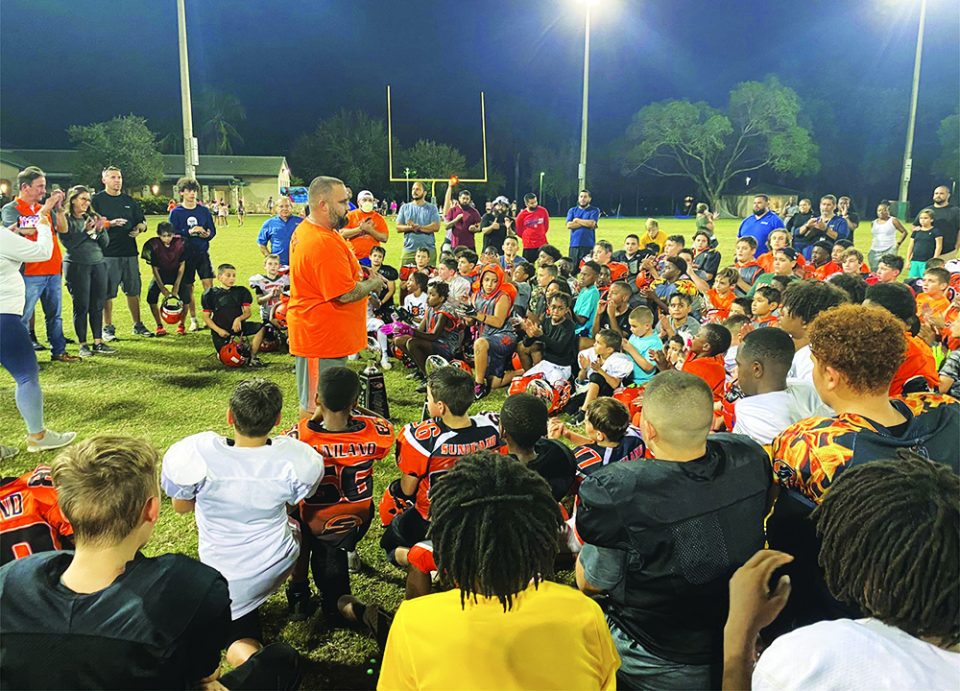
x,y
366,228
327,314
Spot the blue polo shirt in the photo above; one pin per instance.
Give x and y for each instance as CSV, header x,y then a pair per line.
x,y
422,215
275,234
583,237
759,229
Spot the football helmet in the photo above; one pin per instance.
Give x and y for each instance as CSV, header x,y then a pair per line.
x,y
171,310
555,397
280,313
234,353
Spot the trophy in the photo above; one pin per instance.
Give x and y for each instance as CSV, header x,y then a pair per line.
x,y
373,388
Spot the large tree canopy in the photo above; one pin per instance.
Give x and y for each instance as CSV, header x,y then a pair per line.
x,y
349,145
559,166
712,147
125,142
948,163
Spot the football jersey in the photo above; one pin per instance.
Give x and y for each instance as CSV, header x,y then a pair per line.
x,y
262,285
416,305
450,336
30,519
344,499
224,305
809,455
592,457
429,449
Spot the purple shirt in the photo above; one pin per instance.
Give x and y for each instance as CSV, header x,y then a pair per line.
x,y
460,235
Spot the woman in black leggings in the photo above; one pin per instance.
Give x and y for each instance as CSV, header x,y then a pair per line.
x,y
85,269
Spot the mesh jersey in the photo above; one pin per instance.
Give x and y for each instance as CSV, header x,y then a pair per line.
x,y
264,284
810,454
344,499
450,336
30,519
592,457
487,304
428,449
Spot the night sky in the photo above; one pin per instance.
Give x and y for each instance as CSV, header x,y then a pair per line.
x,y
80,61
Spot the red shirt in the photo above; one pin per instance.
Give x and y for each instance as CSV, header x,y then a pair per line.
x,y
532,227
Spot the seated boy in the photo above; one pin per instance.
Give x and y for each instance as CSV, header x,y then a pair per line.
x,y
425,452
415,298
588,299
705,357
496,340
719,298
802,302
437,333
385,297
746,265
604,368
165,255
520,278
770,403
678,319
459,286
739,326
269,285
61,610
557,343
226,311
933,301
608,437
30,518
766,302
642,340
858,350
742,307
645,526
614,312
240,489
523,426
350,439
502,625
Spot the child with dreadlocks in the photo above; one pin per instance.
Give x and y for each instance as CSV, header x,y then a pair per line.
x,y
426,451
502,624
890,547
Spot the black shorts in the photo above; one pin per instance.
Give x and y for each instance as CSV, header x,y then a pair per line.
x,y
605,388
153,291
246,329
197,266
405,530
247,626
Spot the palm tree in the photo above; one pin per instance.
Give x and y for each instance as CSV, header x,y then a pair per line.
x,y
218,114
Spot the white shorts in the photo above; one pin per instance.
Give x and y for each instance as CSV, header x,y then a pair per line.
x,y
552,373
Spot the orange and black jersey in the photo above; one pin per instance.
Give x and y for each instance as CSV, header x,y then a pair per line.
x,y
30,519
429,449
809,455
592,457
344,499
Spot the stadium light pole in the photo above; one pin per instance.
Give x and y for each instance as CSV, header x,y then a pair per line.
x,y
912,120
190,151
540,193
582,168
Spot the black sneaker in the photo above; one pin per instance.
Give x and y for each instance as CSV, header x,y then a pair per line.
x,y
37,345
300,604
255,362
140,330
69,341
481,390
579,417
109,333
103,349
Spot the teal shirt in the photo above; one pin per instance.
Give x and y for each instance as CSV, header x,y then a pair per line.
x,y
586,306
644,345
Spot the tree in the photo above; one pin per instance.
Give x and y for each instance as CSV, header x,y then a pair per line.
x,y
432,160
350,145
125,142
711,147
219,114
948,163
559,165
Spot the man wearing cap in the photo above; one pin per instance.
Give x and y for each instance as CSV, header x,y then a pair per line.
x,y
366,228
496,225
419,221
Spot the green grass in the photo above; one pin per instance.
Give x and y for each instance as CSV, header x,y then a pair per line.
x,y
164,389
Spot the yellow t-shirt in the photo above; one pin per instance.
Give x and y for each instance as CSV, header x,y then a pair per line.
x,y
660,238
554,637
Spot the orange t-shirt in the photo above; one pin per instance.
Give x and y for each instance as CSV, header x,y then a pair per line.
x,y
938,305
918,361
720,304
711,370
821,273
53,265
362,244
322,268
765,260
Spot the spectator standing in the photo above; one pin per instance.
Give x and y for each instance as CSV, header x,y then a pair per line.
x,y
759,225
121,256
828,226
796,222
366,228
270,204
240,212
42,279
327,312
884,234
496,225
846,212
582,221
419,221
85,269
195,224
462,219
275,233
946,219
16,351
532,225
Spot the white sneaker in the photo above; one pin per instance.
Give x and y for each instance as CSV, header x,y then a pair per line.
x,y
354,357
385,364
8,452
193,326
50,440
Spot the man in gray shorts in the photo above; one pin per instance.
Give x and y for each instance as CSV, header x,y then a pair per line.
x,y
122,258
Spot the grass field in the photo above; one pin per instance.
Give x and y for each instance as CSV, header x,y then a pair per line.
x,y
164,389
